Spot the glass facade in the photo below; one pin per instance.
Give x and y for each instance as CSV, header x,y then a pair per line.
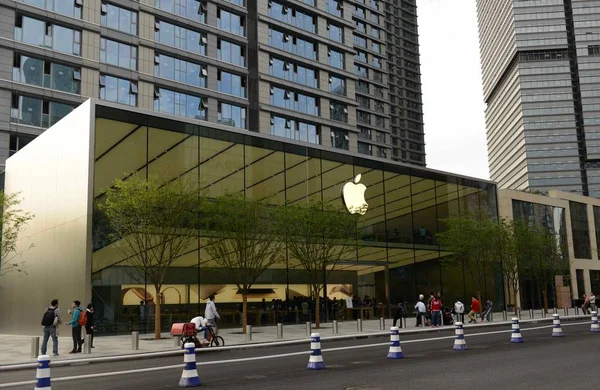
x,y
46,34
118,54
27,110
118,18
180,37
189,9
46,74
581,230
391,265
179,70
114,89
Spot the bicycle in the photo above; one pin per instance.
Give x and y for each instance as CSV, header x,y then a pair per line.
x,y
213,340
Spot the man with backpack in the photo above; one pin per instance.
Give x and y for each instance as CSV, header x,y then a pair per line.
x,y
50,322
79,319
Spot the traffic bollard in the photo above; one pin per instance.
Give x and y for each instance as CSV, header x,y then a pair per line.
x,y
308,328
248,332
459,342
556,329
595,325
87,344
555,310
280,331
403,319
35,347
189,376
381,323
359,325
504,317
515,336
395,351
315,361
176,341
42,374
135,340
531,314
335,327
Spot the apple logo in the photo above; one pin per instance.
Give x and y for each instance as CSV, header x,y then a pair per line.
x,y
353,195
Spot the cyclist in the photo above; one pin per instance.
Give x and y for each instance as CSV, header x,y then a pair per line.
x,y
201,326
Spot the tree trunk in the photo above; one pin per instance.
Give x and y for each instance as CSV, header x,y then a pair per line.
x,y
317,311
545,296
157,328
244,312
515,296
480,304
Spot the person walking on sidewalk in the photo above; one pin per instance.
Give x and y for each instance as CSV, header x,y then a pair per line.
x,y
436,312
210,313
459,310
487,313
50,322
400,312
421,310
593,301
475,307
76,327
89,325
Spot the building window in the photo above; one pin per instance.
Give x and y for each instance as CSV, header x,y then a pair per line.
x,y
291,15
232,84
180,70
70,8
340,139
337,85
292,44
361,27
295,101
237,2
114,89
376,47
179,37
360,41
31,111
363,102
361,71
230,52
594,50
364,148
363,117
336,58
189,9
230,22
381,152
376,62
45,34
284,69
581,230
338,111
232,115
359,11
335,7
118,54
45,74
375,32
364,133
18,142
335,33
180,104
294,129
380,137
362,86
118,18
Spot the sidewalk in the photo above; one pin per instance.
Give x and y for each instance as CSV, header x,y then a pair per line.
x,y
17,349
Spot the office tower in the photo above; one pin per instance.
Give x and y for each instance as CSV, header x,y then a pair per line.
x,y
343,74
540,63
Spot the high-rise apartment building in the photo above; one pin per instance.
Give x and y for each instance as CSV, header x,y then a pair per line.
x,y
540,65
339,73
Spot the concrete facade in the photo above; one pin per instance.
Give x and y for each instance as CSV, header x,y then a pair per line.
x,y
538,61
31,102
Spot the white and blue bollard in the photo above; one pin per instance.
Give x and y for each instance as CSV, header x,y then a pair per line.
x,y
556,329
395,349
189,376
515,336
42,374
315,362
459,343
595,326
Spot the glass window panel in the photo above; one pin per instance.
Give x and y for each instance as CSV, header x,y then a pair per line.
x,y
62,39
34,31
31,71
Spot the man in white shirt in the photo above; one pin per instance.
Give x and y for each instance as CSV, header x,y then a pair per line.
x,y
201,323
593,302
210,313
421,310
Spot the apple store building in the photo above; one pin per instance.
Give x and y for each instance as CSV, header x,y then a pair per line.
x,y
63,174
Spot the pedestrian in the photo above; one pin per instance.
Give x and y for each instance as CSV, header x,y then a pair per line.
x,y
586,304
475,307
210,313
50,321
436,312
487,313
459,310
89,325
593,301
400,312
201,326
421,310
76,326
305,311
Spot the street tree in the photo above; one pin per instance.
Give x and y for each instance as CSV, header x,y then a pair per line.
x,y
470,239
319,237
243,239
12,221
153,223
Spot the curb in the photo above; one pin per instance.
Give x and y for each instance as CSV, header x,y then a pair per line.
x,y
257,345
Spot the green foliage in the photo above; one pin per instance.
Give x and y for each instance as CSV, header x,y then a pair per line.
x,y
13,221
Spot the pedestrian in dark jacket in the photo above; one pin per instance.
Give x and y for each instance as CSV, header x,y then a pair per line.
x,y
89,326
400,313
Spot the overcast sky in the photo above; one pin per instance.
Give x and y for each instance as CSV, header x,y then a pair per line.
x,y
452,98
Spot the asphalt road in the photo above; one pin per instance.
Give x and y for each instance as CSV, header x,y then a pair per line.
x,y
492,362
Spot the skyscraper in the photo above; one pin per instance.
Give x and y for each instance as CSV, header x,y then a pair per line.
x,y
540,63
343,74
